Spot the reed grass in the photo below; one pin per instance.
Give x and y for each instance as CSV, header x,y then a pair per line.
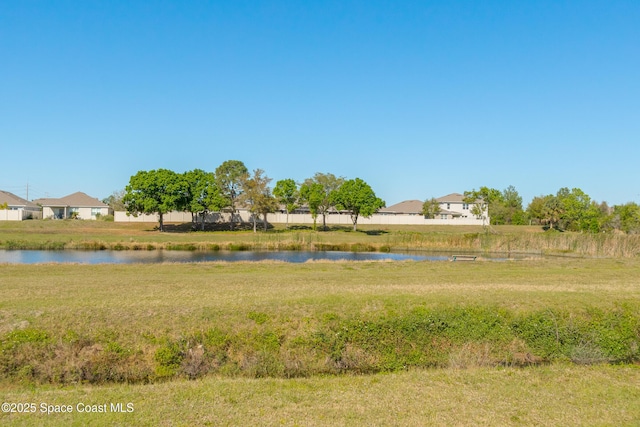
x,y
98,235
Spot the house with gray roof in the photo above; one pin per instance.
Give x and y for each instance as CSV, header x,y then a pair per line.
x,y
453,210
77,205
408,207
14,208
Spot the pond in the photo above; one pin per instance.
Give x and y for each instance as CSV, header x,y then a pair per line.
x,y
160,256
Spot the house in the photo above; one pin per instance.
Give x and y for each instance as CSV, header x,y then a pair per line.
x,y
408,207
453,206
454,210
14,208
77,205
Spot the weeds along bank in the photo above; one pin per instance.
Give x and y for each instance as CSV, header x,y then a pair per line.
x,y
466,337
138,324
598,245
51,235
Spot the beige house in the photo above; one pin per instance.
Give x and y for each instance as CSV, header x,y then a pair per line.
x,y
77,205
453,211
14,208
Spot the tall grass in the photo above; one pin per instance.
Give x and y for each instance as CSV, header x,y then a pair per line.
x,y
598,245
553,243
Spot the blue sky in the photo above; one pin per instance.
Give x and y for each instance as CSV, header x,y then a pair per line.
x,y
418,98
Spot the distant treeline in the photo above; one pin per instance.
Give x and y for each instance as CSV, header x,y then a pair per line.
x,y
567,210
199,192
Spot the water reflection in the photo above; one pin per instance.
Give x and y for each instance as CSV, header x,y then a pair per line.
x,y
160,256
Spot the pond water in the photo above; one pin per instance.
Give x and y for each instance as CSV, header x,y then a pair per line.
x,y
160,256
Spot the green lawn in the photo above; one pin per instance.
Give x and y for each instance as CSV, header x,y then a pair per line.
x,y
543,396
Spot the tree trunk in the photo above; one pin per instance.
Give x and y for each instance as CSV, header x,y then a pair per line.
x,y
354,218
265,221
161,222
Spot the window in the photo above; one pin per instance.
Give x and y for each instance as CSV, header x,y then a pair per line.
x,y
448,206
443,216
95,211
465,206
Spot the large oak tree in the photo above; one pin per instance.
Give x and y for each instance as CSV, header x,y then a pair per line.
x,y
357,197
156,192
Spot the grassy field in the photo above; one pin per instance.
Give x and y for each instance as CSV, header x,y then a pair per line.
x,y
555,395
545,341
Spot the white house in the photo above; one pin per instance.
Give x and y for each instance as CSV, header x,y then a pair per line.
x,y
77,205
14,208
453,206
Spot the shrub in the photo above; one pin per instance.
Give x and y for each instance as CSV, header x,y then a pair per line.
x,y
169,359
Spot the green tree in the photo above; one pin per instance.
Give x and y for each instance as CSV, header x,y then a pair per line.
x,y
552,212
483,202
430,208
357,197
286,191
257,195
512,206
574,206
330,184
312,194
230,176
503,207
115,201
626,218
203,194
535,210
155,192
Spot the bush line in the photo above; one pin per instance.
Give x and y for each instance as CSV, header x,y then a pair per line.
x,y
422,338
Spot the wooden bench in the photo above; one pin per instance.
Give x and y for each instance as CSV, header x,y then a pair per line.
x,y
463,257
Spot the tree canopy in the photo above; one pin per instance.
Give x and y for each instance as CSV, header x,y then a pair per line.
x,y
430,208
199,192
257,196
203,194
312,194
287,193
230,176
357,197
155,192
323,194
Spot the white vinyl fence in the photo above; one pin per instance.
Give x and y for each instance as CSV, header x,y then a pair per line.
x,y
281,218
